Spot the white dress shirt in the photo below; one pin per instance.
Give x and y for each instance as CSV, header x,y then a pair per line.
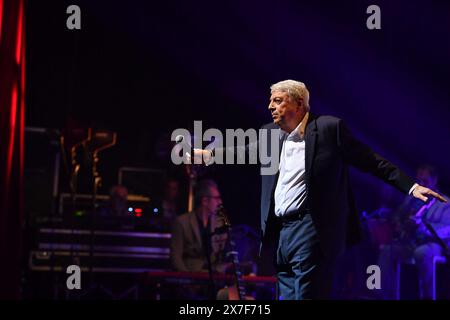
x,y
290,192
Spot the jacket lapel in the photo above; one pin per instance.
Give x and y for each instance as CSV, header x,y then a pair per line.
x,y
282,135
280,145
195,228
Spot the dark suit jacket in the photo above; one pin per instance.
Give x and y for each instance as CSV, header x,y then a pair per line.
x,y
329,150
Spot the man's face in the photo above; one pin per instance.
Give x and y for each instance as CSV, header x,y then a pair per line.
x,y
213,201
426,179
285,111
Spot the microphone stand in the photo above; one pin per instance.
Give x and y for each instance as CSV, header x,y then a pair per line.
x,y
240,290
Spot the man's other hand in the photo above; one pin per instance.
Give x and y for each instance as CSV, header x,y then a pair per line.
x,y
423,193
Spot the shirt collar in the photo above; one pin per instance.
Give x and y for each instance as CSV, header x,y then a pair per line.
x,y
299,130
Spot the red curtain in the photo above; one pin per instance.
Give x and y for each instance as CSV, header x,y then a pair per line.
x,y
12,108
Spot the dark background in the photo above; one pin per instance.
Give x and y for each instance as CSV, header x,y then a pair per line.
x,y
145,68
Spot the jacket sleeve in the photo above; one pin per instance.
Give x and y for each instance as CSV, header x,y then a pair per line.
x,y
363,158
251,152
242,153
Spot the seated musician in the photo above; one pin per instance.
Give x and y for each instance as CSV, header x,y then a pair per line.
x,y
414,241
194,243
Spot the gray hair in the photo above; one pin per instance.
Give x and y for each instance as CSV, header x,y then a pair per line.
x,y
296,90
202,189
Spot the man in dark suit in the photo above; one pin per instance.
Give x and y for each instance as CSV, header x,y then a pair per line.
x,y
308,204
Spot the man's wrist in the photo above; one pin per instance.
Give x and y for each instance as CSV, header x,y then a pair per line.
x,y
415,185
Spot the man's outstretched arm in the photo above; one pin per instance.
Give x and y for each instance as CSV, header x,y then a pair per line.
x,y
362,157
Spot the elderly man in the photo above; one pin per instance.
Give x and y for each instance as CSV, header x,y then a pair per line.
x,y
308,203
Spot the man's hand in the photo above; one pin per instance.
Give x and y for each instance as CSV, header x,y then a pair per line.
x,y
200,156
423,193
